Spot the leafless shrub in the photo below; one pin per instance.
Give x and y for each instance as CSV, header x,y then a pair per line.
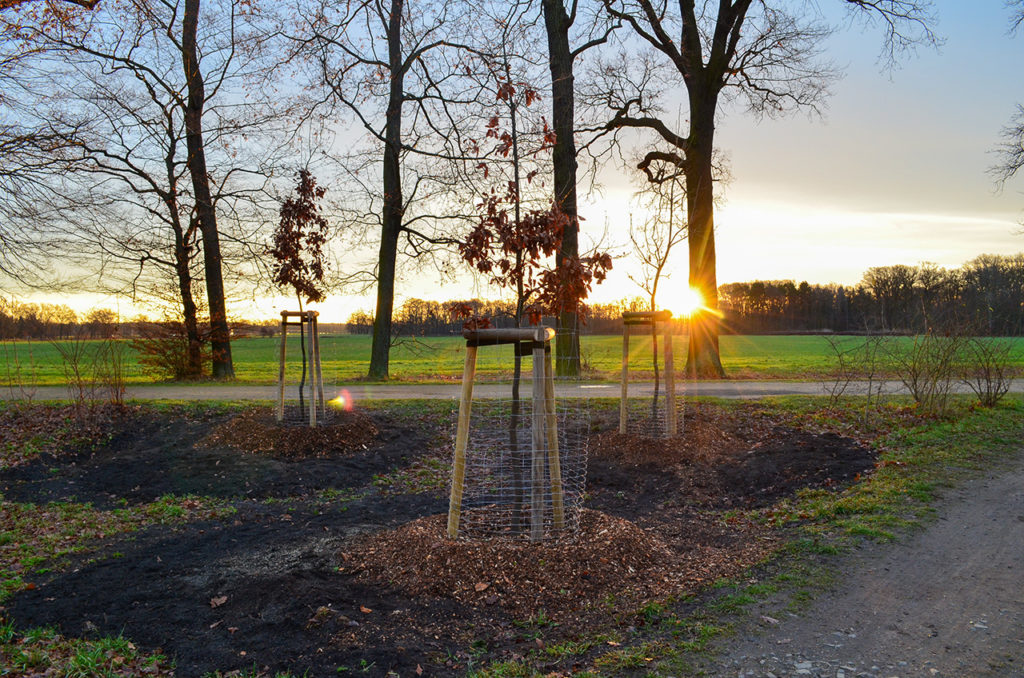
x,y
987,368
873,362
94,371
76,360
21,369
845,371
862,363
928,368
109,370
165,350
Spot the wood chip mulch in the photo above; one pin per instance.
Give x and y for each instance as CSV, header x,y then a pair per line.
x,y
609,559
707,434
256,430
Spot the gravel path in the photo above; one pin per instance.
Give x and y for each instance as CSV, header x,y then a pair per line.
x,y
948,602
721,389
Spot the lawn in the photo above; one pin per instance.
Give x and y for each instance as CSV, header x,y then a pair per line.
x,y
137,542
345,358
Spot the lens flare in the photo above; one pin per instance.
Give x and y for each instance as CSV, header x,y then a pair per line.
x,y
690,301
342,402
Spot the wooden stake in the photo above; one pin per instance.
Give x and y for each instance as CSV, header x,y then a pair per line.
x,y
625,379
461,439
670,384
554,463
537,483
280,373
308,319
319,367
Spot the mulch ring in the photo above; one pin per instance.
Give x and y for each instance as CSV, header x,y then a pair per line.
x,y
566,578
257,430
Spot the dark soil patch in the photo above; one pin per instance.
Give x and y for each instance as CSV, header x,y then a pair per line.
x,y
364,579
724,458
155,454
275,571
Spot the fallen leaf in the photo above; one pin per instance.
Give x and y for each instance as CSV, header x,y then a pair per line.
x,y
218,601
613,643
481,586
365,610
419,670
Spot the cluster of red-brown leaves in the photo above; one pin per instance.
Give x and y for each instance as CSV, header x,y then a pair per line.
x,y
301,234
512,253
511,246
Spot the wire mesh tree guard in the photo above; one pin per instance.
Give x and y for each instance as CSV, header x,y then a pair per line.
x,y
517,473
312,410
661,416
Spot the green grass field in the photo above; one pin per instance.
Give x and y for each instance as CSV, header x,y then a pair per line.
x,y
345,358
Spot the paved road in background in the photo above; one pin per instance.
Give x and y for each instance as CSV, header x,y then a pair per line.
x,y
720,389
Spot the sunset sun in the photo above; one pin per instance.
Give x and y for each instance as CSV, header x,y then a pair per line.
x,y
687,302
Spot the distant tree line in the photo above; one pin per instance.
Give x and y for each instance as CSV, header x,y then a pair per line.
x,y
52,321
58,322
985,295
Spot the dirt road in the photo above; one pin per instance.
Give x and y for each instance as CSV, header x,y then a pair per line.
x,y
720,389
947,602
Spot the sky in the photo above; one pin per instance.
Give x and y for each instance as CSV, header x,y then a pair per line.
x,y
894,171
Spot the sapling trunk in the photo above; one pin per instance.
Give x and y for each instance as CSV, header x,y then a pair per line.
x,y
657,376
302,349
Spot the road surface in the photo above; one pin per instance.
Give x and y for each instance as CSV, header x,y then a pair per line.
x,y
451,391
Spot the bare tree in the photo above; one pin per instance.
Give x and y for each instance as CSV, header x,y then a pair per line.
x,y
765,53
391,67
86,4
653,241
206,215
119,118
562,55
1011,150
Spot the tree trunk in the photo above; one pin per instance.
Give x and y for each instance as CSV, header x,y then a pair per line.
x,y
193,351
702,359
557,24
193,367
392,216
220,335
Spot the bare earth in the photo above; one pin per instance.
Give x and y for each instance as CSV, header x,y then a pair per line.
x,y
947,602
